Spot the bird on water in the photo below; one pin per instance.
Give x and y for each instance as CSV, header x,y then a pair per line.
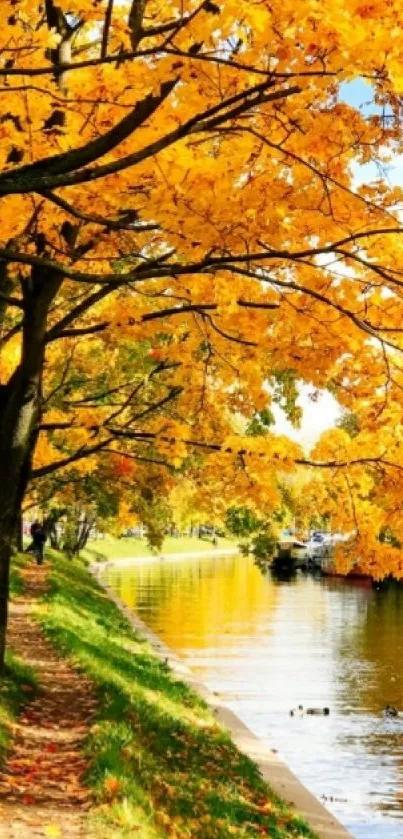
x,y
300,711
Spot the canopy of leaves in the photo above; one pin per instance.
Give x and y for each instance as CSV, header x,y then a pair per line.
x,y
181,222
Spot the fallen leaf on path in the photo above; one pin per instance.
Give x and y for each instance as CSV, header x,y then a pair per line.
x,y
53,831
51,747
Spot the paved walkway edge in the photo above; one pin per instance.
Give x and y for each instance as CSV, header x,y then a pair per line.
x,y
273,770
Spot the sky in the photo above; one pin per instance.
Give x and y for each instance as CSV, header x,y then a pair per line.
x,y
360,94
318,416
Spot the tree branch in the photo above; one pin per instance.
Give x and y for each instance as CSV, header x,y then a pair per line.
x,y
66,162
107,26
154,269
178,310
79,332
12,301
121,57
198,308
85,451
135,22
95,219
36,177
77,311
149,436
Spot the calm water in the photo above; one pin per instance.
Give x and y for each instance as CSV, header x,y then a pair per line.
x,y
267,646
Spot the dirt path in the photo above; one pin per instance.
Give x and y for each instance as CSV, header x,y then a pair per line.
x,y
41,791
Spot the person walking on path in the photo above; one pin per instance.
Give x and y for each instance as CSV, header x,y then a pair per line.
x,y
38,541
34,527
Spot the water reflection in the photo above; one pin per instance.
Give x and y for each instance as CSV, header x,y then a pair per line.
x,y
267,645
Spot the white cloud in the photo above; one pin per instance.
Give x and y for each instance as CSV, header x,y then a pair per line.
x,y
318,416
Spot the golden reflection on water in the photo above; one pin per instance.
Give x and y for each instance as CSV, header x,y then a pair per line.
x,y
266,646
229,590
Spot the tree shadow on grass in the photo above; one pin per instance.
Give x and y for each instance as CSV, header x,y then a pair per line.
x,y
99,616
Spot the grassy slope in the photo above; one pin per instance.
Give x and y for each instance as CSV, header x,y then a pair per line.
x,y
160,765
111,548
19,680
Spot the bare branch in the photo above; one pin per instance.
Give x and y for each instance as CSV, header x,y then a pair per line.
x,y
137,457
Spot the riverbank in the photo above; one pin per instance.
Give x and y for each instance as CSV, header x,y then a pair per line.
x,y
159,764
131,547
273,771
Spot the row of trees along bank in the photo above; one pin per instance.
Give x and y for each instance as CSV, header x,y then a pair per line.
x,y
183,235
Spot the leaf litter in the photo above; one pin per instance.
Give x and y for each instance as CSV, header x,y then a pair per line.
x,y
42,791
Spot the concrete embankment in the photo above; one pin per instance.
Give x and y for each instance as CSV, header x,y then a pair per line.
x,y
272,769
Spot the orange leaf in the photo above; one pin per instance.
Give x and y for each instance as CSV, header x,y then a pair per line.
x,y
112,785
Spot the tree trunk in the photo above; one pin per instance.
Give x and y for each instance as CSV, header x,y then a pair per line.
x,y
50,526
5,557
54,538
18,537
85,533
13,480
20,412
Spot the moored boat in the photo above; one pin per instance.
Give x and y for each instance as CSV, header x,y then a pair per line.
x,y
291,552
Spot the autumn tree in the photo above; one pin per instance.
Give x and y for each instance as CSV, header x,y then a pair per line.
x,y
177,179
109,496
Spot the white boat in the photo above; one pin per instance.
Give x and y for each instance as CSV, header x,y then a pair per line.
x,y
299,550
320,545
317,552
291,550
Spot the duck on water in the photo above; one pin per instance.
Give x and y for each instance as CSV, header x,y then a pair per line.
x,y
300,711
391,711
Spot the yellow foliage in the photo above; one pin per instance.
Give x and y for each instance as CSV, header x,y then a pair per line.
x,y
181,225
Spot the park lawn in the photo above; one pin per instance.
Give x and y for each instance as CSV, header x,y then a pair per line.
x,y
159,763
131,546
18,680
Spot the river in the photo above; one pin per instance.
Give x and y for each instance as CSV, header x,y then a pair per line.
x,y
267,646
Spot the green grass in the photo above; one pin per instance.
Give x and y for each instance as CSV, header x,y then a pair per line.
x,y
15,686
127,547
18,681
159,763
16,581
